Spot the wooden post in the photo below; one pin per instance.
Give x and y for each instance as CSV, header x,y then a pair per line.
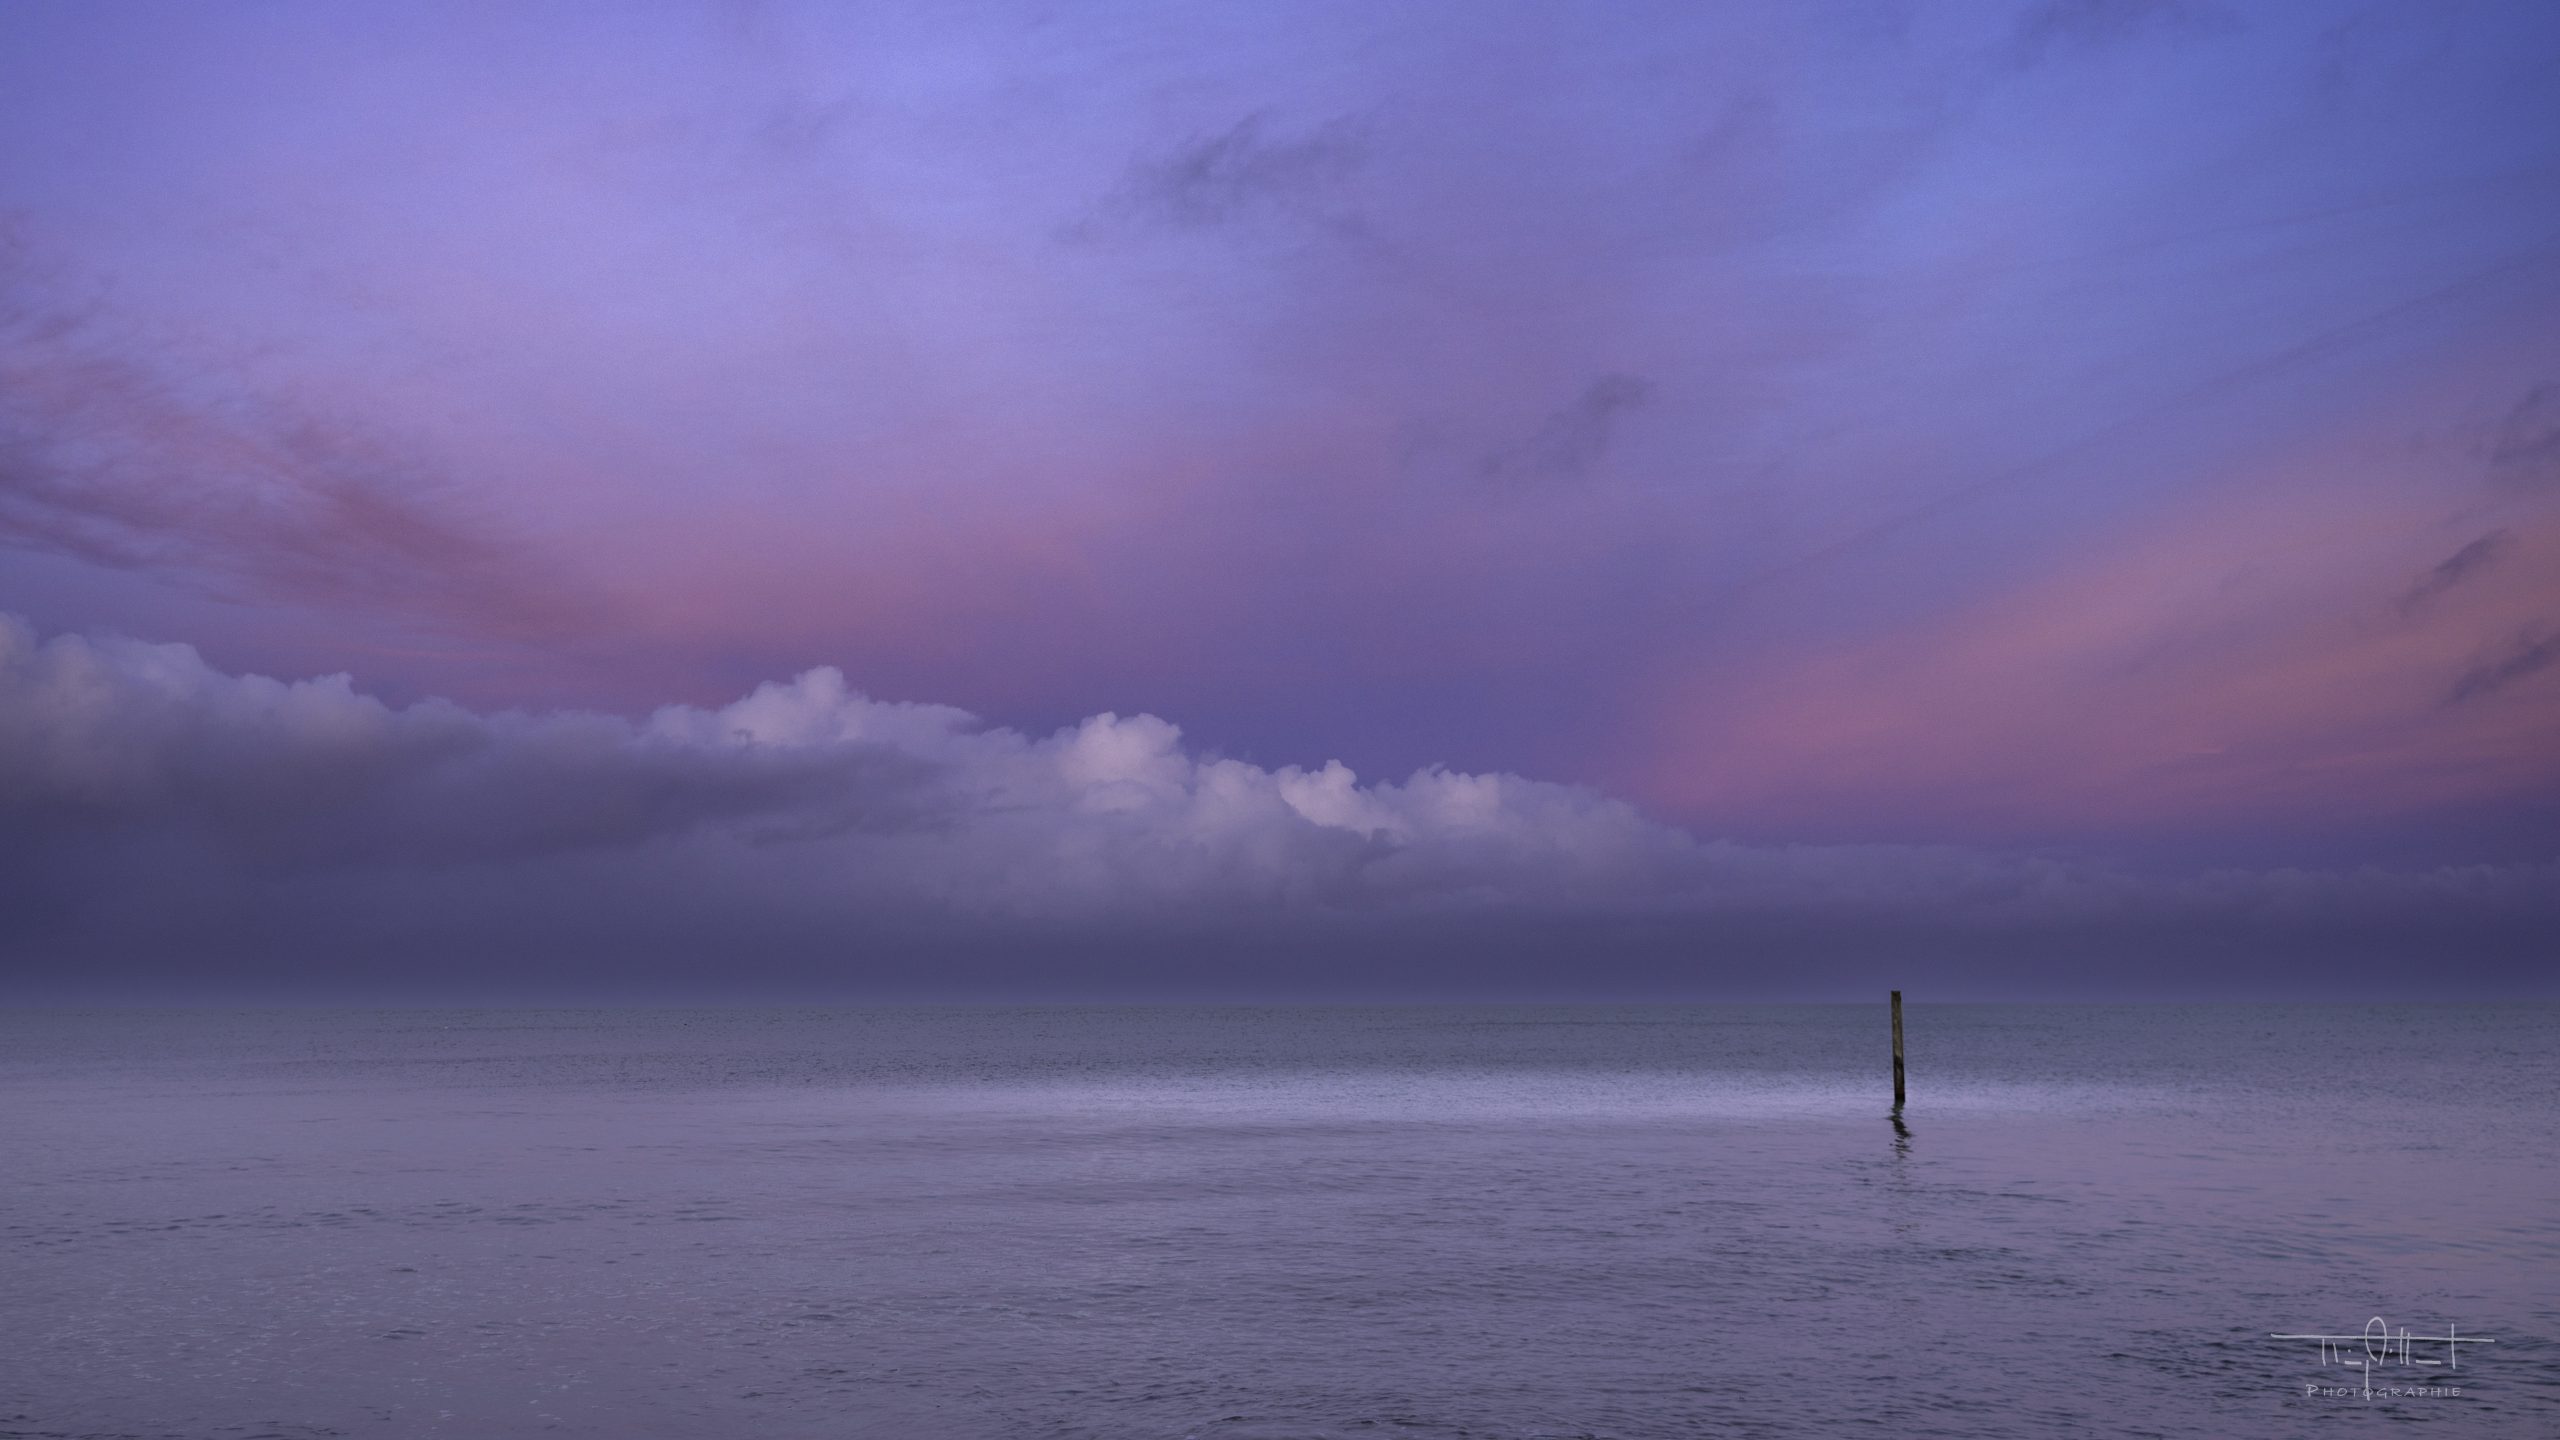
x,y
1897,1050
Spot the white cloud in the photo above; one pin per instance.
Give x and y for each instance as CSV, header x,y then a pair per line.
x,y
137,779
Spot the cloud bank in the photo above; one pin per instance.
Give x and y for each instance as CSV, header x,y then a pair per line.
x,y
170,825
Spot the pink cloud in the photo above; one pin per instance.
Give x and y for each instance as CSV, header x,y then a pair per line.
x,y
2255,655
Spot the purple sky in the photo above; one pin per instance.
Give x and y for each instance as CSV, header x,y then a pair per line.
x,y
1747,498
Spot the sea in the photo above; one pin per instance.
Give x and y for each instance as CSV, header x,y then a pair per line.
x,y
1280,1222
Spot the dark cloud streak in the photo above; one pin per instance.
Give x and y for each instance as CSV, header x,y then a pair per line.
x,y
2461,565
2063,26
2528,655
2526,450
1572,440
1247,172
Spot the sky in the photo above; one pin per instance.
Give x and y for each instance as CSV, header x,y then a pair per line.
x,y
2021,500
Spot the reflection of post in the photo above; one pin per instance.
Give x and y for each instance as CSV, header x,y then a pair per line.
x,y
1897,1049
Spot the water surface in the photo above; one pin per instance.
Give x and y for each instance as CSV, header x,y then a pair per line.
x,y
1272,1222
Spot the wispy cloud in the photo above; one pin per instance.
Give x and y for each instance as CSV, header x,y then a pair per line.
x,y
2455,568
2527,655
122,449
1252,171
2056,27
2526,448
1568,443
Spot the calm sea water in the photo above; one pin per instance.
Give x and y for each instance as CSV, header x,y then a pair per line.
x,y
1274,1222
